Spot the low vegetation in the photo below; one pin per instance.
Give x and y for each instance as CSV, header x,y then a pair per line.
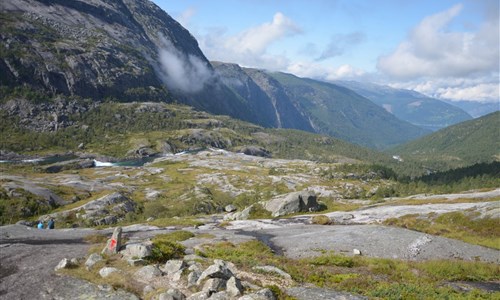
x,y
465,226
372,277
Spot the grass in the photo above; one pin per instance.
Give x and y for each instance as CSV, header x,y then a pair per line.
x,y
373,277
464,226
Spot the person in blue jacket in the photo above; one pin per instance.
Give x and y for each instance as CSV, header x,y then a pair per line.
x,y
40,225
50,225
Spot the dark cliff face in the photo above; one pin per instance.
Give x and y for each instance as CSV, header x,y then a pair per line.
x,y
93,49
126,50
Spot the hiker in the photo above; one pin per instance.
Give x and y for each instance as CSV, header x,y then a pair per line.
x,y
50,225
40,225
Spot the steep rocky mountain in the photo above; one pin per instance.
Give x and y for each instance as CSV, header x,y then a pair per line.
x,y
465,143
124,50
410,106
131,50
317,106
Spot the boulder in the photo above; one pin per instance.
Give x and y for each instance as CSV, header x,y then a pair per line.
x,y
106,271
214,285
255,151
230,208
172,294
174,266
137,250
203,295
265,294
92,260
147,273
304,201
239,215
106,210
234,287
218,270
65,264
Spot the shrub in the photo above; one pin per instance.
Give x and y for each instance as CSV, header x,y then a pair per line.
x,y
321,220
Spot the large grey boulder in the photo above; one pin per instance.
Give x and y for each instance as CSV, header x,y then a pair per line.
x,y
303,201
137,250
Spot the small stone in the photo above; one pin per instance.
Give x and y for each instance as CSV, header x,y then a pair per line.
x,y
64,264
230,208
106,271
214,285
356,252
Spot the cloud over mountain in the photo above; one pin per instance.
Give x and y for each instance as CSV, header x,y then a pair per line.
x,y
433,50
181,71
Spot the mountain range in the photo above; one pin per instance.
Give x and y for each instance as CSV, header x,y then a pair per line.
x,y
131,50
411,106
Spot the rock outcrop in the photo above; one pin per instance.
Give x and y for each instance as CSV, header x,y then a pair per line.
x,y
304,201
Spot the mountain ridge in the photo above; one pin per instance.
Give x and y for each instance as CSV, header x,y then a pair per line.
x,y
409,105
128,50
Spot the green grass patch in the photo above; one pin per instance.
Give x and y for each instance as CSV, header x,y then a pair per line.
x,y
467,227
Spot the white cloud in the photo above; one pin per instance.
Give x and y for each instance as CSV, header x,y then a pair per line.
x,y
322,72
432,50
485,92
249,47
181,71
482,89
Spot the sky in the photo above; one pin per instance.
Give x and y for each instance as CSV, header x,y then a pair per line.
x,y
442,48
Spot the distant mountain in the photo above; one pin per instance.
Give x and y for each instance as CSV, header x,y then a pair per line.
x,y
291,102
474,108
410,106
462,144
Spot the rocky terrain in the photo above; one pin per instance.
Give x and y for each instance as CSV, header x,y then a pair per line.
x,y
221,184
